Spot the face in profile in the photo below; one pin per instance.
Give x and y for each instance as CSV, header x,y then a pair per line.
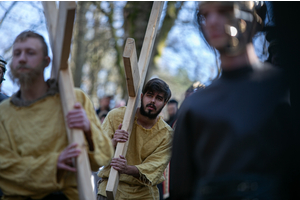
x,y
214,18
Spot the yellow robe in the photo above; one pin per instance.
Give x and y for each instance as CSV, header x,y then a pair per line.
x,y
149,150
31,139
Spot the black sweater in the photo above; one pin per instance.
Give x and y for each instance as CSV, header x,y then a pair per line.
x,y
240,124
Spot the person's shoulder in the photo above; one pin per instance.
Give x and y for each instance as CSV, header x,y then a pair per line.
x,y
192,100
163,125
116,115
79,91
168,126
267,68
5,102
117,111
5,105
268,72
81,96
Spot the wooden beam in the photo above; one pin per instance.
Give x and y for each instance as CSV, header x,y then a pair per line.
x,y
113,180
150,38
63,36
82,163
131,67
62,73
51,14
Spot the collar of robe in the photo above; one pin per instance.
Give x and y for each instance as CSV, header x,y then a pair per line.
x,y
17,101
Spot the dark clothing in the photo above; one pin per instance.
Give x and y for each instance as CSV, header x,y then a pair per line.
x,y
100,197
54,195
2,96
238,127
172,120
161,191
241,186
99,110
285,16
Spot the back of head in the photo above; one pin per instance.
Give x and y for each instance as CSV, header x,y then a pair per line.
x,y
31,34
245,19
158,85
173,101
193,88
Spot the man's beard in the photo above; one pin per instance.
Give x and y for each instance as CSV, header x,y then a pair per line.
x,y
149,114
27,78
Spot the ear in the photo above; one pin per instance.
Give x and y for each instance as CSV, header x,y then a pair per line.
x,y
47,61
141,95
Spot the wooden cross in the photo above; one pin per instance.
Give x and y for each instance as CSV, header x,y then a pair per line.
x,y
135,76
60,27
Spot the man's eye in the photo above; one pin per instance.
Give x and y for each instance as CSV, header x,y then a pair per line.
x,y
203,20
225,11
16,53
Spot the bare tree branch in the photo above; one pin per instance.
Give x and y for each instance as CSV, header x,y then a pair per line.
x,y
7,11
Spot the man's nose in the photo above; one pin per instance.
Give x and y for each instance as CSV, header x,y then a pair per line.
x,y
211,19
153,99
22,58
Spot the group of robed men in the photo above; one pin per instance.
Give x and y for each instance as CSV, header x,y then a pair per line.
x,y
36,159
231,139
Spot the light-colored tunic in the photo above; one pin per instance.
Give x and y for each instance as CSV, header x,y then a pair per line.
x,y
31,139
149,150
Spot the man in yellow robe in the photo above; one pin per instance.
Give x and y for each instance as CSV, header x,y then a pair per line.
x,y
149,147
35,158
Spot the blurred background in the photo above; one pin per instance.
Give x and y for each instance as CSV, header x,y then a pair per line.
x,y
180,56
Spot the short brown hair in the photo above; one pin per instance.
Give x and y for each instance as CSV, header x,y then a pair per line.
x,y
31,34
158,85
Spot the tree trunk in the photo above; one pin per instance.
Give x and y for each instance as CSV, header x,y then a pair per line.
x,y
79,46
119,58
172,11
136,16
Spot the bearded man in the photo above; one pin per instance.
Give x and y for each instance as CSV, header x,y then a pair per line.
x,y
36,160
149,145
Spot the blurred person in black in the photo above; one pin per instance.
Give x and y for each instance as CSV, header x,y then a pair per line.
x,y
104,107
234,139
273,48
2,72
172,109
196,86
285,16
